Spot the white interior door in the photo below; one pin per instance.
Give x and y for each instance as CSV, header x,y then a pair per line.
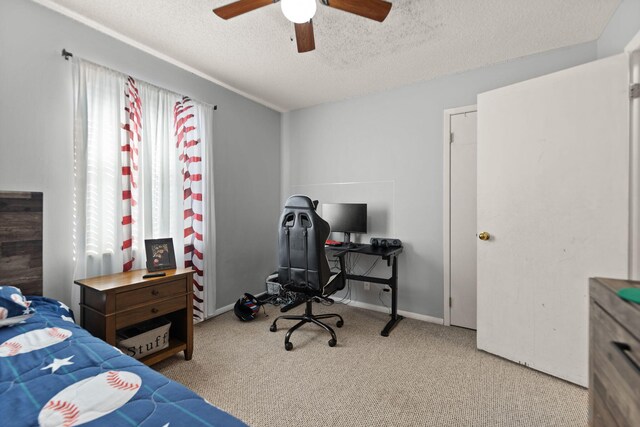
x,y
553,192
463,145
634,267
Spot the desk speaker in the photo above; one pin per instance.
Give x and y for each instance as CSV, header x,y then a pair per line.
x,y
385,242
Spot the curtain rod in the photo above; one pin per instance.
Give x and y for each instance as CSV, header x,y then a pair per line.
x,y
66,55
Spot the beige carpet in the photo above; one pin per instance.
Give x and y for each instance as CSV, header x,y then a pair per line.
x,y
421,375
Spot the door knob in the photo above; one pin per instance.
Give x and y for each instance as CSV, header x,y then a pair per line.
x,y
484,236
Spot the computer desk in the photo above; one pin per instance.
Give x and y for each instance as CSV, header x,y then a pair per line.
x,y
390,255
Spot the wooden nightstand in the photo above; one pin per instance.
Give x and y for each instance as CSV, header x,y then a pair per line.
x,y
109,303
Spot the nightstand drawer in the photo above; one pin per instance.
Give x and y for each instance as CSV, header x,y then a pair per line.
x,y
150,311
149,294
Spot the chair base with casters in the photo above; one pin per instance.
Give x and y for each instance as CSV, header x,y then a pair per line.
x,y
308,317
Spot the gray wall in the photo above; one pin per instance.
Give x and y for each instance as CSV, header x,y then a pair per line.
x,y
623,25
397,137
389,146
36,145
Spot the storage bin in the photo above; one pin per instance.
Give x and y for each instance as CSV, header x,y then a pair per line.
x,y
145,338
273,286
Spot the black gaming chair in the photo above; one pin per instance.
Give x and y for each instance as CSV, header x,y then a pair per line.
x,y
303,265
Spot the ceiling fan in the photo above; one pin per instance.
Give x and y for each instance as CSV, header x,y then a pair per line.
x,y
300,13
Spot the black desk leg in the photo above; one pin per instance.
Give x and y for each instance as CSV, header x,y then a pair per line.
x,y
395,318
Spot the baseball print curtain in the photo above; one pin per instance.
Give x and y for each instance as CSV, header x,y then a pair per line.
x,y
141,172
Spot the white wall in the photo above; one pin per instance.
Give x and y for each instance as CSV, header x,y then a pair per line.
x,y
396,136
36,144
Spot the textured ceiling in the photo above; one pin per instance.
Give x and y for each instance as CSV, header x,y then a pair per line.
x,y
421,39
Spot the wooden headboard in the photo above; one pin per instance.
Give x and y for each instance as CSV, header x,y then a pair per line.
x,y
21,241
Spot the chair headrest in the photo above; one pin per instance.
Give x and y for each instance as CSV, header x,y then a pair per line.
x,y
299,201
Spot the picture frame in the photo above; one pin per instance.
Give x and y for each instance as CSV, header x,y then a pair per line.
x,y
160,254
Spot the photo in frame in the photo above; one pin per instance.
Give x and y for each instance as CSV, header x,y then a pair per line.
x,y
160,255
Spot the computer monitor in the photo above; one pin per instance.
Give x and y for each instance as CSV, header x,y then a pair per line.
x,y
346,218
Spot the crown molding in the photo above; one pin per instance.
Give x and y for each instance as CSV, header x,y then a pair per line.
x,y
49,4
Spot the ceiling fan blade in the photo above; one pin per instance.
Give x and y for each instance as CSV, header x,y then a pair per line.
x,y
239,7
304,37
372,9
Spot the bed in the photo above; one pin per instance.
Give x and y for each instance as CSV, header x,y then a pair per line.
x,y
54,373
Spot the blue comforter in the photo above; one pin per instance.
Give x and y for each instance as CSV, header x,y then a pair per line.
x,y
54,373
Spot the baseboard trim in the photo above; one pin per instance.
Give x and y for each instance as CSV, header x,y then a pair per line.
x,y
229,307
50,4
366,306
221,310
407,314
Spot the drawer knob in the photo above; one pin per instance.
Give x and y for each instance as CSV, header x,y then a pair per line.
x,y
625,349
154,310
155,292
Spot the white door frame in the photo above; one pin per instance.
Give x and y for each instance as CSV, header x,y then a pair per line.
x,y
446,214
633,49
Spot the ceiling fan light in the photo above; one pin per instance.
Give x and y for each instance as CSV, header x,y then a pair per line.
x,y
298,11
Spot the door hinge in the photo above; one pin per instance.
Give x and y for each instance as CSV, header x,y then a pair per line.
x,y
634,91
451,138
450,302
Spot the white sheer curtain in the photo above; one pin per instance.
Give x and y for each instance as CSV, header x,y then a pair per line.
x,y
161,169
116,115
99,111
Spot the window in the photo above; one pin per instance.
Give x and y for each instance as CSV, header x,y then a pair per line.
x,y
140,173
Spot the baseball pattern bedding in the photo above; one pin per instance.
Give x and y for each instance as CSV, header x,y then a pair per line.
x,y
54,373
